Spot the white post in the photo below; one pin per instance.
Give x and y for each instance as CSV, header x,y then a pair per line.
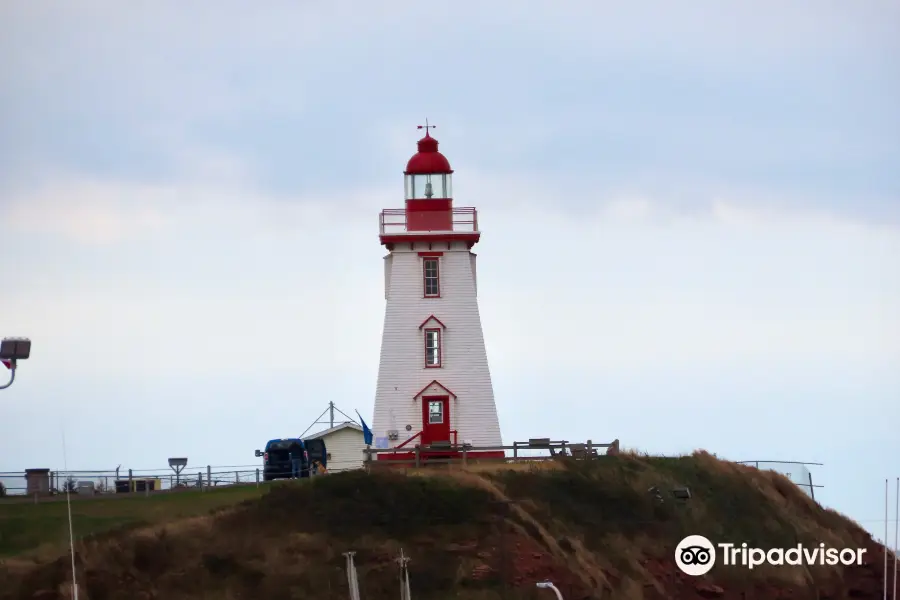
x,y
352,580
406,592
404,576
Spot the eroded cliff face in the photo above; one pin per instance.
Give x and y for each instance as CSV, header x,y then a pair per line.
x,y
591,527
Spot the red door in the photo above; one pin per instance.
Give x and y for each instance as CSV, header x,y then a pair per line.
x,y
435,419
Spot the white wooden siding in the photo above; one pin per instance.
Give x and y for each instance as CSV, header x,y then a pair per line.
x,y
465,372
346,448
387,276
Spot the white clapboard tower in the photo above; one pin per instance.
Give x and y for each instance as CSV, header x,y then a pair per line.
x,y
434,384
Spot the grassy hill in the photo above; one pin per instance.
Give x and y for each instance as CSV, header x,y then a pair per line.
x,y
590,527
43,528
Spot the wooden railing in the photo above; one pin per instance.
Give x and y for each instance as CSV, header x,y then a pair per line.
x,y
455,453
418,435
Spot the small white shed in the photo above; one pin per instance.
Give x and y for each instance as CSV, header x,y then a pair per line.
x,y
344,444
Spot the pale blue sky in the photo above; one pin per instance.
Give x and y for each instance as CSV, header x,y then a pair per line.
x,y
691,221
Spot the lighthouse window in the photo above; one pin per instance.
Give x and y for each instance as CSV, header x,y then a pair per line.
x,y
432,348
432,278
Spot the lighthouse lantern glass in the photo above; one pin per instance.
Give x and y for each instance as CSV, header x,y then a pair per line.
x,y
417,188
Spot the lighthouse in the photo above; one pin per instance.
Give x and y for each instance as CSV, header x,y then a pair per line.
x,y
434,386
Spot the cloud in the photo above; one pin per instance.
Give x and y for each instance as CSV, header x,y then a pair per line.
x,y
111,214
731,287
629,285
795,96
770,26
213,134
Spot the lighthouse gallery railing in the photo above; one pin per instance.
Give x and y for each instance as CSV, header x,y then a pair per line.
x,y
393,220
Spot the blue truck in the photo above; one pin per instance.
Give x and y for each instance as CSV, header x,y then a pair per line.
x,y
279,455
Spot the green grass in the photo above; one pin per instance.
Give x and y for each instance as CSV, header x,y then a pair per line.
x,y
27,526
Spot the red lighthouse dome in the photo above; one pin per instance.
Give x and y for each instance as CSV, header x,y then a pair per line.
x,y
428,160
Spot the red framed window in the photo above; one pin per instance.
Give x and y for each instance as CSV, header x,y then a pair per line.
x,y
432,348
432,277
436,412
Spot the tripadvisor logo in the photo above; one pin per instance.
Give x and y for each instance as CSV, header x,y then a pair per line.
x,y
695,555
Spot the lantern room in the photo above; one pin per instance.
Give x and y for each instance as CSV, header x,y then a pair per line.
x,y
429,211
428,188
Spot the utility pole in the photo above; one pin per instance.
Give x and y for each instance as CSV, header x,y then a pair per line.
x,y
331,413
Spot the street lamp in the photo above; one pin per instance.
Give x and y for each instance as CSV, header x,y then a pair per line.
x,y
549,585
177,465
12,350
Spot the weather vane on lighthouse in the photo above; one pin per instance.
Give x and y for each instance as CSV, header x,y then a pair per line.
x,y
426,126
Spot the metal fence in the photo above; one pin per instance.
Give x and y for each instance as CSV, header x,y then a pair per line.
x,y
118,481
796,471
101,482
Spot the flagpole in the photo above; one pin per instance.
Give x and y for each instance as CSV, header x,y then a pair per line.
x,y
885,537
367,440
367,432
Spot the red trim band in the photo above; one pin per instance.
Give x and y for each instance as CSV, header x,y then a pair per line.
x,y
442,386
424,454
432,318
469,238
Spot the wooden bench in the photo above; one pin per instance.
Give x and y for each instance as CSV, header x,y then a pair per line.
x,y
555,448
581,451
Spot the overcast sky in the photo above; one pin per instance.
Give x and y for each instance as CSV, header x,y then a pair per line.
x,y
690,216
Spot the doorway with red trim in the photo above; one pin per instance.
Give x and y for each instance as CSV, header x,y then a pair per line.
x,y
435,419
